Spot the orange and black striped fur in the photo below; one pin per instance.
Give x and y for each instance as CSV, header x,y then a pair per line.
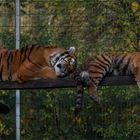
x,y
92,71
35,62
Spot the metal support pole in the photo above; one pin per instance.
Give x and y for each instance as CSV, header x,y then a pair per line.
x,y
17,91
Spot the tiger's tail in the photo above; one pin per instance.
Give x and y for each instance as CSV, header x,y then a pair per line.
x,y
81,79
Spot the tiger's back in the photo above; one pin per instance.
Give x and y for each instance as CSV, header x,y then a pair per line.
x,y
116,64
32,62
95,68
11,60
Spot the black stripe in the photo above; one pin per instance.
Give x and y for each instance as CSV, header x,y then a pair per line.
x,y
77,78
103,66
97,66
38,47
108,60
79,100
79,97
30,51
19,77
1,57
99,59
96,77
16,52
65,57
11,57
1,71
63,53
25,53
21,50
103,63
55,63
21,54
96,72
10,77
6,53
96,80
37,65
10,65
8,60
126,66
120,60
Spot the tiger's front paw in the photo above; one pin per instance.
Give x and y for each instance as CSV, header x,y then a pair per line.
x,y
95,98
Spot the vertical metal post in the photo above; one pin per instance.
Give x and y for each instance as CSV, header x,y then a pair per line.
x,y
17,91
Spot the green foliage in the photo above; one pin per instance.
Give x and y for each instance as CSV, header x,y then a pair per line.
x,y
93,27
7,39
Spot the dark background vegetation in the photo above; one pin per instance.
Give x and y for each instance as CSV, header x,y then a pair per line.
x,y
93,27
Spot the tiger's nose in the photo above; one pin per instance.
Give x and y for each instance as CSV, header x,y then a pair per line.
x,y
59,65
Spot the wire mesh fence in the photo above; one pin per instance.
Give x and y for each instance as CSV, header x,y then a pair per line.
x,y
93,27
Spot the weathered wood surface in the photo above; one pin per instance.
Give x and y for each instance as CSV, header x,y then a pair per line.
x,y
64,83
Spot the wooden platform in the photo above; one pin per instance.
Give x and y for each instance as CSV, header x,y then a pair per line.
x,y
65,83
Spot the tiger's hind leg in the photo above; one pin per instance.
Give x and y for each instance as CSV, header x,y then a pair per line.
x,y
92,89
30,74
46,72
29,71
90,82
26,72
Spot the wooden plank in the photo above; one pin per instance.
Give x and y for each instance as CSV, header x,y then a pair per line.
x,y
64,83
118,81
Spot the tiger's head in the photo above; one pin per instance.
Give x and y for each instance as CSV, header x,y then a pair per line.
x,y
64,62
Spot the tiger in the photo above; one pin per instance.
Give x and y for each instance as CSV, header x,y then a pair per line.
x,y
95,68
34,62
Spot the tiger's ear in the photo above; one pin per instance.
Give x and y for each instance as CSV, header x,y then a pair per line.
x,y
71,50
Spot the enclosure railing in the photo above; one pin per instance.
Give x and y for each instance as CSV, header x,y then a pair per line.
x,y
62,83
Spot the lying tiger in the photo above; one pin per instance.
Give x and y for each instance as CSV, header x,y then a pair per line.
x,y
95,68
34,62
